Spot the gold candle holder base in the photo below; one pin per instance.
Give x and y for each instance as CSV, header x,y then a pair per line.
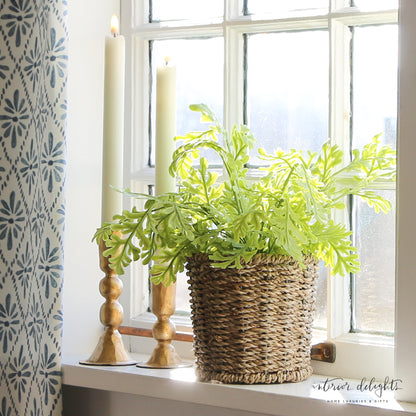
x,y
109,351
110,348
172,360
163,306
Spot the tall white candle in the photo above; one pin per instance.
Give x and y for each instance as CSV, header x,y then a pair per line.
x,y
165,126
113,128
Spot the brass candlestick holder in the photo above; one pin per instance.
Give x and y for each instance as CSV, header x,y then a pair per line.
x,y
110,348
163,306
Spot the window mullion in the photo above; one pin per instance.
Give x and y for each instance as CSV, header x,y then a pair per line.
x,y
339,121
233,77
233,9
137,174
139,101
135,13
338,4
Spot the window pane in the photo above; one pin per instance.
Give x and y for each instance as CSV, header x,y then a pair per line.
x,y
182,299
199,79
287,89
183,306
284,6
374,84
376,4
163,10
321,298
374,285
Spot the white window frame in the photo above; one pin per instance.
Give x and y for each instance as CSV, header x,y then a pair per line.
x,y
405,334
358,355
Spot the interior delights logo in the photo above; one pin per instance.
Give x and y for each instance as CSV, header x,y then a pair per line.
x,y
338,384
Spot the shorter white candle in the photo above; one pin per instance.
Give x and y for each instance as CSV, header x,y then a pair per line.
x,y
165,126
113,128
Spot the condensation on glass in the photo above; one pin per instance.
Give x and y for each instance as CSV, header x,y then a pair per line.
x,y
287,92
375,4
183,306
199,78
373,297
168,10
374,111
321,306
284,6
374,83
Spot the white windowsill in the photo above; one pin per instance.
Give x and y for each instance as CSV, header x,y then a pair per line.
x,y
289,399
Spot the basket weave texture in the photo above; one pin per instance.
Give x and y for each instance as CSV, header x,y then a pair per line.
x,y
253,325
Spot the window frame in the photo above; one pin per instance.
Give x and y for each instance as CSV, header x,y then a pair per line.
x,y
371,354
405,334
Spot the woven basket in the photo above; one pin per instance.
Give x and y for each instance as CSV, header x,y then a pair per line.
x,y
253,325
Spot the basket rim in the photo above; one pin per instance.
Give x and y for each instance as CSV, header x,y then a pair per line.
x,y
261,258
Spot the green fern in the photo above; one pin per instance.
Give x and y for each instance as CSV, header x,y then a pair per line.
x,y
287,211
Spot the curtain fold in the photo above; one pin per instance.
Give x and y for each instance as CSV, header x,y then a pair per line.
x,y
33,62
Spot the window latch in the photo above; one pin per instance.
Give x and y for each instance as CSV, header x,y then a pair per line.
x,y
324,351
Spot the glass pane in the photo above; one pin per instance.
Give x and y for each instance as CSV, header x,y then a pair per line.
x,y
183,306
374,285
199,79
287,89
284,6
164,10
321,298
375,84
376,4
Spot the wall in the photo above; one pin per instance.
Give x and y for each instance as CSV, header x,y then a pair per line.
x,y
89,23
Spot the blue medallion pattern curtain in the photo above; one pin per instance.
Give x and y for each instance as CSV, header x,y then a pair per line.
x,y
33,62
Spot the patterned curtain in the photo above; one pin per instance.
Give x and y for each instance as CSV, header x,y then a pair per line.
x,y
33,61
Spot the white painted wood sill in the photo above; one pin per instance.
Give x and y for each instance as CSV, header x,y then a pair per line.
x,y
289,399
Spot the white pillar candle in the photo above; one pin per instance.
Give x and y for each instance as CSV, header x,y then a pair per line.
x,y
113,129
165,126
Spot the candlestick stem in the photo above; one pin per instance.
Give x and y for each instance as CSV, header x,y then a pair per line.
x,y
110,348
163,306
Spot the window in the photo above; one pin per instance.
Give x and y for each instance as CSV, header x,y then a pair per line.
x,y
297,72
